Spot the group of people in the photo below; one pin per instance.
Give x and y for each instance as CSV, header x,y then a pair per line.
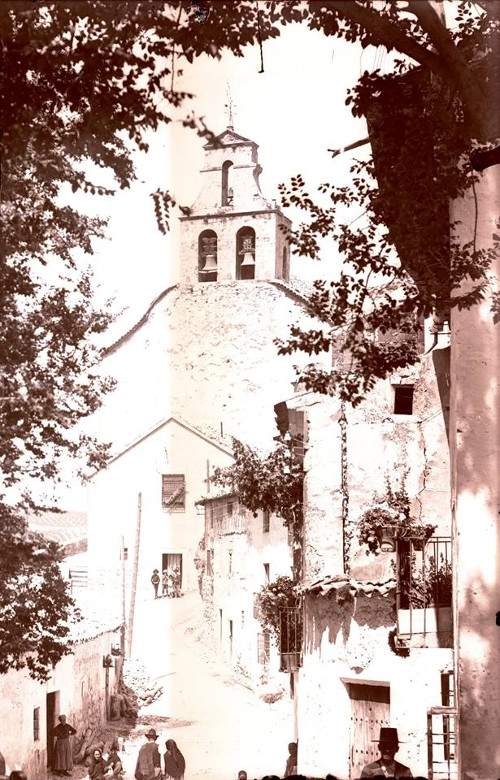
x,y
170,582
385,766
149,765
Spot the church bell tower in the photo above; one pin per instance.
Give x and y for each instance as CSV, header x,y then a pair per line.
x,y
233,232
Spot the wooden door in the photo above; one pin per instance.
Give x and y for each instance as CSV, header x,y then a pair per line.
x,y
51,711
370,709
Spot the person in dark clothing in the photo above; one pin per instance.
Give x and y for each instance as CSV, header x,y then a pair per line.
x,y
386,765
148,765
175,764
155,579
97,765
291,762
63,760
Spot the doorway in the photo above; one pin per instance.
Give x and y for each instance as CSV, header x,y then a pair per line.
x,y
370,709
172,561
52,711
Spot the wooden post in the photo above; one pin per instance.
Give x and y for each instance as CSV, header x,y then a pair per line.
x,y
124,616
134,575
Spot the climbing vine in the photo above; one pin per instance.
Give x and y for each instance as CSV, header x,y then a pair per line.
x,y
273,483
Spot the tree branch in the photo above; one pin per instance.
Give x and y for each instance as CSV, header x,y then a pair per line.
x,y
384,32
458,71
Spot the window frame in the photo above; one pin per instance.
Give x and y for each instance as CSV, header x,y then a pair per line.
x,y
179,505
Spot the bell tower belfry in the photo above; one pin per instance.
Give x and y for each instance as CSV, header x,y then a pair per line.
x,y
232,232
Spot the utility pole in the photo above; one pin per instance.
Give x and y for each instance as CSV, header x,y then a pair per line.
x,y
134,575
124,616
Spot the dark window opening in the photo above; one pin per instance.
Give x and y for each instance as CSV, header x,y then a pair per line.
x,y
265,522
36,724
245,253
173,492
267,574
207,256
227,190
403,399
290,638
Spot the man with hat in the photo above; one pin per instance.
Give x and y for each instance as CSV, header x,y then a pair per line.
x,y
386,765
148,761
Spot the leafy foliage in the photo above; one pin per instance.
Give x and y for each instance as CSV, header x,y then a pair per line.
x,y
273,484
272,599
432,587
391,510
34,600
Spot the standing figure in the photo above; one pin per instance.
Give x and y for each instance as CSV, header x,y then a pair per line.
x,y
291,762
97,765
63,753
175,765
148,765
155,579
177,583
386,766
164,583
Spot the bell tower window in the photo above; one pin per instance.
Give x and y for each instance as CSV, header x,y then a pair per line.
x,y
245,253
227,190
207,256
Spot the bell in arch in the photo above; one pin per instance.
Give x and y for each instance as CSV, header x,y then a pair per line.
x,y
248,253
210,263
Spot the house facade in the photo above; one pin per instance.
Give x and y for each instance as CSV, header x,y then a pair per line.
x,y
377,645
143,513
241,553
80,687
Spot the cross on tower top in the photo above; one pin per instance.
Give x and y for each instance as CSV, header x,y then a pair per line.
x,y
229,106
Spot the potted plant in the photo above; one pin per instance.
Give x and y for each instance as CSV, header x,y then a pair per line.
x,y
389,519
425,596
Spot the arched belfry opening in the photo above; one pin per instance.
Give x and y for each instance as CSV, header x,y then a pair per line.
x,y
227,190
207,256
245,253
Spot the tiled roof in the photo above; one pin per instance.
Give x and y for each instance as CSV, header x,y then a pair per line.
x,y
62,527
326,584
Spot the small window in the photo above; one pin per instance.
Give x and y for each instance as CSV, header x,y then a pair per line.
x,y
403,399
267,574
227,190
36,724
173,492
207,256
265,522
245,253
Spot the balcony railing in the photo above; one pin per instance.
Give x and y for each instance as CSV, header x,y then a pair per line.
x,y
290,638
424,592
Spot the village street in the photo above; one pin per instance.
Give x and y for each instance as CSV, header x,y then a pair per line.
x,y
219,724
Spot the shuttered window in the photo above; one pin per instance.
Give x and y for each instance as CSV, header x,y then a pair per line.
x,y
173,492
